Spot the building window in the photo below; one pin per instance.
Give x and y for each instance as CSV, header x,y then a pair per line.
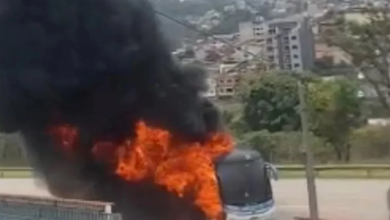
x,y
296,56
293,37
271,58
294,47
289,66
296,65
287,48
272,31
270,49
269,40
258,34
229,90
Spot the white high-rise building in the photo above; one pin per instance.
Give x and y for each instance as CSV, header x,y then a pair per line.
x,y
288,43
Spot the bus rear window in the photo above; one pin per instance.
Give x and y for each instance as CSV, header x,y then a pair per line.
x,y
243,182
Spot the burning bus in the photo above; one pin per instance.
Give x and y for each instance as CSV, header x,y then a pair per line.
x,y
106,114
245,187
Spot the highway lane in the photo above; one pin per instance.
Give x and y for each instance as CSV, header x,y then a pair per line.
x,y
338,199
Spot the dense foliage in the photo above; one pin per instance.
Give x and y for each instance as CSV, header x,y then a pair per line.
x,y
367,41
267,120
270,115
335,112
270,103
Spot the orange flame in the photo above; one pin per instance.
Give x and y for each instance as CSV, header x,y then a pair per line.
x,y
181,169
186,169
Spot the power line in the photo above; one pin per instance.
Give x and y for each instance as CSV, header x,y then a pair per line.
x,y
238,47
247,62
189,26
257,56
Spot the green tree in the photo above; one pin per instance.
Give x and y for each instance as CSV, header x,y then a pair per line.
x,y
285,147
270,102
334,113
367,41
261,141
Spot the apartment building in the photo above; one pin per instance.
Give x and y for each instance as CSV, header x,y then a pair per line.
x,y
288,43
211,91
227,85
222,86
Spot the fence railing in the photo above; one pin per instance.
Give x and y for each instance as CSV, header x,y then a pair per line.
x,y
19,207
361,170
344,170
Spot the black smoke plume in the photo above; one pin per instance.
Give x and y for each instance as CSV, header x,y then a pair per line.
x,y
99,65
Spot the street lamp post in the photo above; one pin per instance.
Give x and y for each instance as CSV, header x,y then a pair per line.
x,y
309,160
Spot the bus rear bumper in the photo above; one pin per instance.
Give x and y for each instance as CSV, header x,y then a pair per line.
x,y
267,215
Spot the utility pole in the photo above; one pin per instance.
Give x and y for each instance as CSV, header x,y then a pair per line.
x,y
309,160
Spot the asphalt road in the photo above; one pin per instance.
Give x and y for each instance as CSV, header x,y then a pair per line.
x,y
338,199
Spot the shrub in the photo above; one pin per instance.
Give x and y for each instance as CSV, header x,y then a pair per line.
x,y
285,147
371,142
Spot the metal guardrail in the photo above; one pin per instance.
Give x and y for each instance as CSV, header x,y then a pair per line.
x,y
280,167
91,206
336,167
24,169
369,169
15,171
46,213
16,207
